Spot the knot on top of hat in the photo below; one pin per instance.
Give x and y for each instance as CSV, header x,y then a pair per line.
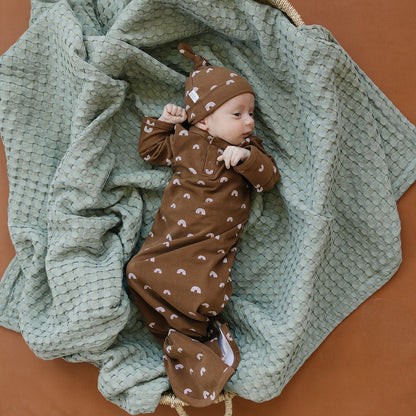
x,y
187,51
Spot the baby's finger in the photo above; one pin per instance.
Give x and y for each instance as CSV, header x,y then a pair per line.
x,y
235,159
226,159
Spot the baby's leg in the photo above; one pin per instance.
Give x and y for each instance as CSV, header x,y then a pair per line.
x,y
154,321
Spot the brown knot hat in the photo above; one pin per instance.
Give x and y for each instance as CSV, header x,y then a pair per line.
x,y
208,87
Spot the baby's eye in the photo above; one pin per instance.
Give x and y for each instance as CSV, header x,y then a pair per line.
x,y
237,114
251,114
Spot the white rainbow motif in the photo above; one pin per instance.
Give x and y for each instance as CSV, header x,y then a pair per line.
x,y
182,223
181,271
196,289
210,105
200,211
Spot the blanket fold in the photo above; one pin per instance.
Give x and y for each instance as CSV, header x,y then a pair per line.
x,y
73,90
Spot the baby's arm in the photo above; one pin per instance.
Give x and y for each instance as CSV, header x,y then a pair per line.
x,y
156,135
233,155
259,168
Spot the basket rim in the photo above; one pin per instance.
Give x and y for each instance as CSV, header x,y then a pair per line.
x,y
287,8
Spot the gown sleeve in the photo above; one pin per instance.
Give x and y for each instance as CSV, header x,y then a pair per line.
x,y
155,143
260,168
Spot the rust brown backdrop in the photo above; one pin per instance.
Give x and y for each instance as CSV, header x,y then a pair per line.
x,y
367,366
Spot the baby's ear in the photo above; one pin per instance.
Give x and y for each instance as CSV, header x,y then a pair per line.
x,y
202,124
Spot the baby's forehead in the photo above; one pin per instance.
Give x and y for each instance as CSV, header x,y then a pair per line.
x,y
242,100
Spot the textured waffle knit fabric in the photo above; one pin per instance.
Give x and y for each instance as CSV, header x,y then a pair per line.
x,y
73,91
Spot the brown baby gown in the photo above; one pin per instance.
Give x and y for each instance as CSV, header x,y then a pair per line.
x,y
181,277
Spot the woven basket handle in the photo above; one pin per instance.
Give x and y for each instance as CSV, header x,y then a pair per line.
x,y
286,8
177,404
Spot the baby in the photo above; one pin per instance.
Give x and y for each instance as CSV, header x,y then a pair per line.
x,y
181,277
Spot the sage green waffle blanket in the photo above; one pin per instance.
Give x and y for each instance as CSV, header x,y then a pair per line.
x,y
73,90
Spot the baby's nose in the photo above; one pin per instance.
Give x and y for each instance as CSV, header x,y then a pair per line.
x,y
249,121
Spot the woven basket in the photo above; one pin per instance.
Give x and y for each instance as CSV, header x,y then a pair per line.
x,y
169,399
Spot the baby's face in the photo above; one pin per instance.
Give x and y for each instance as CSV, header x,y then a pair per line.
x,y
233,121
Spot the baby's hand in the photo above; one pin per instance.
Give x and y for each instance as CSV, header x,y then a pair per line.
x,y
173,114
232,155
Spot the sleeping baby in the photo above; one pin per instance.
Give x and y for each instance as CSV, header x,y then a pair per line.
x,y
181,277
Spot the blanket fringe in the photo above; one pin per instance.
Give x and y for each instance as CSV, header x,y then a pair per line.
x,y
171,400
